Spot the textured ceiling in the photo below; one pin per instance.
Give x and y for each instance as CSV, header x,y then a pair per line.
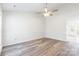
x,y
29,7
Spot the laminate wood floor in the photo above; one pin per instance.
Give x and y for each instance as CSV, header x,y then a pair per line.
x,y
42,47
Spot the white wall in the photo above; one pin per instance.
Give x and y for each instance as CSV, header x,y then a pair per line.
x,y
0,28
21,26
56,25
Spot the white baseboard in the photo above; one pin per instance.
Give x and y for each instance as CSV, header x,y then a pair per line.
x,y
23,41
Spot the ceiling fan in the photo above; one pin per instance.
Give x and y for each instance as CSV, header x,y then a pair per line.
x,y
47,12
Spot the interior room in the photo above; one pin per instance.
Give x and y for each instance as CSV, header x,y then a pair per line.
x,y
39,29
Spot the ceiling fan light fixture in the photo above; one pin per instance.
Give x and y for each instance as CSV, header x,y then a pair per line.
x,y
46,14
46,10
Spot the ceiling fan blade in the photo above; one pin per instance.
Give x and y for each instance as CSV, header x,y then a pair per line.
x,y
55,10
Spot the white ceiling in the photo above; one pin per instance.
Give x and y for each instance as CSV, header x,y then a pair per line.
x,y
29,7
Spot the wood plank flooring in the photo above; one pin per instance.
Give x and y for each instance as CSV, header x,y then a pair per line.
x,y
42,47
